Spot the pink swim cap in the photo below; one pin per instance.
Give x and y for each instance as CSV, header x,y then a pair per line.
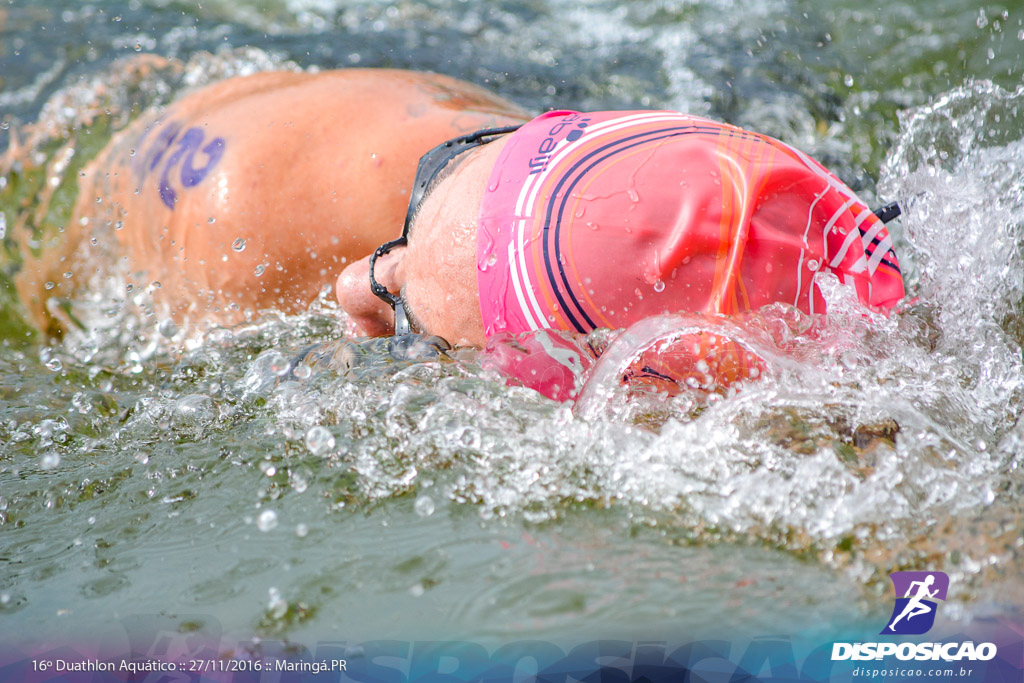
x,y
605,218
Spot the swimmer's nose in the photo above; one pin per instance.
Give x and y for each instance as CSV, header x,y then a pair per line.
x,y
372,317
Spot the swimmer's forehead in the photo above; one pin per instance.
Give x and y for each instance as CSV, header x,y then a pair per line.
x,y
446,172
455,193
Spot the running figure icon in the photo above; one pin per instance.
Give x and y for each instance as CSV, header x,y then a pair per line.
x,y
919,591
916,607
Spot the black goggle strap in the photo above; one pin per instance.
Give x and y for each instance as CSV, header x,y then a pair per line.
x,y
377,288
436,159
381,292
888,212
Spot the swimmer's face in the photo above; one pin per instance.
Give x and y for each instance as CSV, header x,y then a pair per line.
x,y
436,273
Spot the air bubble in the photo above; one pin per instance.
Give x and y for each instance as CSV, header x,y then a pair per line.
x,y
54,364
167,327
276,605
260,269
319,440
424,506
48,286
267,520
49,461
238,244
302,530
277,363
659,286
302,371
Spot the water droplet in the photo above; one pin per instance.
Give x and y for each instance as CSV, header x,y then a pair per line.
x,y
68,275
167,328
267,520
302,531
238,244
812,265
982,20
211,219
659,285
48,286
302,371
138,47
319,440
848,80
129,287
634,196
54,364
5,598
417,590
49,461
260,269
277,363
118,225
4,125
142,458
276,605
424,506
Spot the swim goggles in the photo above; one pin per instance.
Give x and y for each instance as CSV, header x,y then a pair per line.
x,y
429,167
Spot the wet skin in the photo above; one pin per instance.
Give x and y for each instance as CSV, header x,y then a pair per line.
x,y
310,171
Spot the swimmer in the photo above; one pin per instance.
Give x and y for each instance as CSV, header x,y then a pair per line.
x,y
251,193
576,221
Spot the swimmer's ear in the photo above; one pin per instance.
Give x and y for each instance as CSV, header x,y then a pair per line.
x,y
416,346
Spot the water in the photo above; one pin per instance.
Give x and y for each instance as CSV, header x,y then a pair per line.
x,y
202,476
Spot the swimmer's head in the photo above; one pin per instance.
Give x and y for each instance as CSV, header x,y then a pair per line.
x,y
433,273
579,221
